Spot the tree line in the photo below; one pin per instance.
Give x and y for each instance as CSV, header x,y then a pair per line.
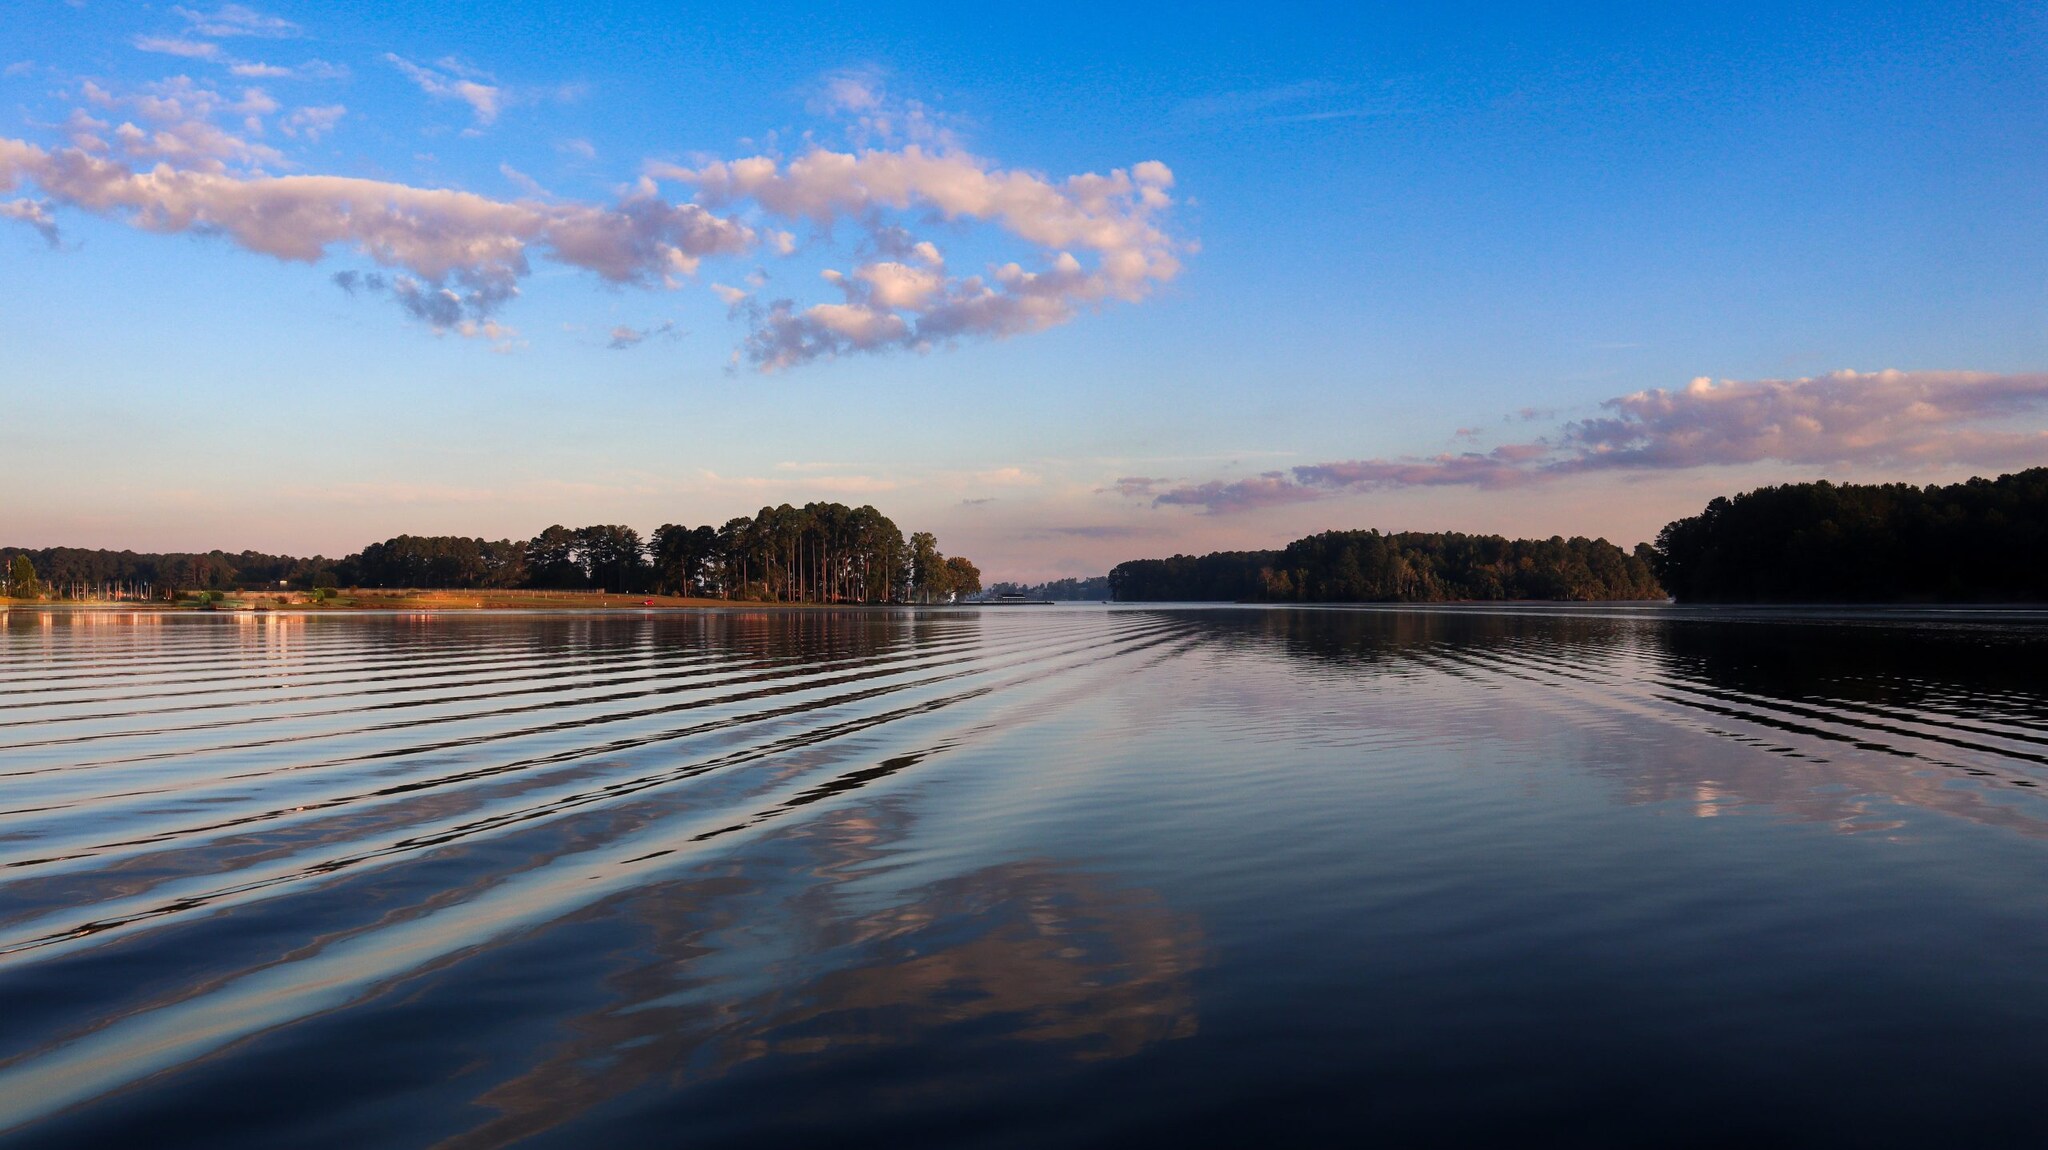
x,y
26,572
1983,540
1404,567
817,553
1094,587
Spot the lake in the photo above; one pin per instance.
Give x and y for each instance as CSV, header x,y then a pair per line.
x,y
1024,876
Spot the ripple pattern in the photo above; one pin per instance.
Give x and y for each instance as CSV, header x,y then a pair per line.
x,y
433,782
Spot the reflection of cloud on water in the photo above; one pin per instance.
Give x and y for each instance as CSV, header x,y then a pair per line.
x,y
1856,722
1028,952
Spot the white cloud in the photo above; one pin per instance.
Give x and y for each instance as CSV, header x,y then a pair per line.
x,y
485,100
525,183
875,116
235,20
894,285
310,124
179,98
850,91
178,125
308,70
238,20
465,253
194,143
174,46
185,156
1112,218
34,213
624,337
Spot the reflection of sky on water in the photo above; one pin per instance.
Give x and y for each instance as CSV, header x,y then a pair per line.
x,y
1028,952
1850,725
591,878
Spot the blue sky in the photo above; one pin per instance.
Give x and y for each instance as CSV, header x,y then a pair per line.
x,y
1405,267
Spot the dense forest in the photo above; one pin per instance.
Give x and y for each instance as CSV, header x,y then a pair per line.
x,y
1408,567
818,553
1985,540
75,572
1093,588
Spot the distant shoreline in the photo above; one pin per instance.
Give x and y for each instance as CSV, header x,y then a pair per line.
x,y
456,603
480,601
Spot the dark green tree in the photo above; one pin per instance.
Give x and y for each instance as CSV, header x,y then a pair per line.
x,y
612,558
927,566
1410,567
1983,540
554,560
684,559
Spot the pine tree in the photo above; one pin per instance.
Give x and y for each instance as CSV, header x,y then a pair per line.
x,y
21,579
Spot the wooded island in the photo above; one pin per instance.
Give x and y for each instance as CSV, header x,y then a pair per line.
x,y
1408,567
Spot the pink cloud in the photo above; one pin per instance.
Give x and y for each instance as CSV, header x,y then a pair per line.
x,y
34,213
467,251
1872,419
1273,489
1885,417
913,302
192,161
1139,486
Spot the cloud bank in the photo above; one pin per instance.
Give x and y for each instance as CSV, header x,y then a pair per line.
x,y
1871,419
911,300
190,158
464,253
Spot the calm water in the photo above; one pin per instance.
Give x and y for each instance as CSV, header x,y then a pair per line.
x,y
1030,876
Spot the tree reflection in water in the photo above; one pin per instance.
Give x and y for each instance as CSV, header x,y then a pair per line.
x,y
1851,717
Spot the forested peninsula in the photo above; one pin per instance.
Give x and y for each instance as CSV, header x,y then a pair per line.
x,y
1406,567
1981,541
817,553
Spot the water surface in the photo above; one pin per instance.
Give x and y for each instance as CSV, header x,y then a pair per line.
x,y
1023,876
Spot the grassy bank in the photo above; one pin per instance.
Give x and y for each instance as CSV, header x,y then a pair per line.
x,y
397,600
